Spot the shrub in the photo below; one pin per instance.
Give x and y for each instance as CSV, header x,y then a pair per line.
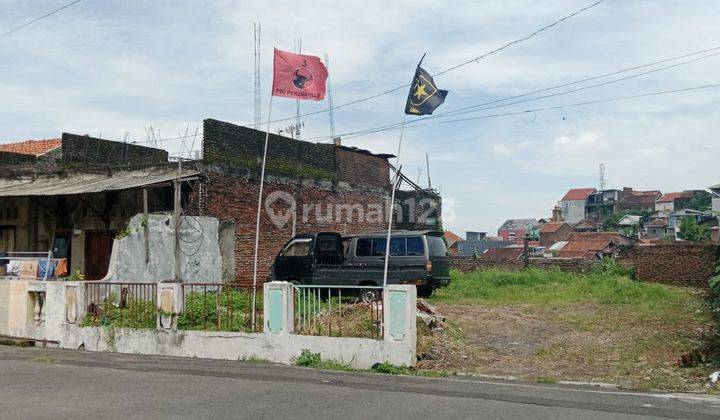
x,y
307,359
609,266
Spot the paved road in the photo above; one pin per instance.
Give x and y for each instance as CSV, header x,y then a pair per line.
x,y
56,384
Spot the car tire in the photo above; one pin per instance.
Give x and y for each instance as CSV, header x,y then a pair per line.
x,y
370,295
425,291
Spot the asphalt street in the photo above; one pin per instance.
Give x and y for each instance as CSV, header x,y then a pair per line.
x,y
60,384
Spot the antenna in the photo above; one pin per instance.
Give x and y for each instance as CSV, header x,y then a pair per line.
x,y
427,163
330,98
602,177
258,117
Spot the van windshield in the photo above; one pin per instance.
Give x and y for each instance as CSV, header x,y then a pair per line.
x,y
297,248
437,246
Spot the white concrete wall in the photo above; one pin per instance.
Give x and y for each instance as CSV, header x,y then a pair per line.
x,y
63,316
716,204
200,259
573,211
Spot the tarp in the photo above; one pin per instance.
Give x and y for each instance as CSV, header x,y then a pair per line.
x,y
89,183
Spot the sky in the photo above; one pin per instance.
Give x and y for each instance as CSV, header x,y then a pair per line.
x,y
114,69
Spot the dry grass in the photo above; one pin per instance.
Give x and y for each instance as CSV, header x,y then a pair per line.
x,y
583,328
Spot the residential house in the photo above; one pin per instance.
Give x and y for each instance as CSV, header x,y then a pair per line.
x,y
573,204
476,243
599,204
451,239
591,245
639,201
554,232
586,226
516,229
657,228
673,201
716,198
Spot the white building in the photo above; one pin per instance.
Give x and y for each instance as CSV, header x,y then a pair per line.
x,y
573,204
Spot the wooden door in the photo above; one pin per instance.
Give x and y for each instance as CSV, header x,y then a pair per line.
x,y
98,246
7,239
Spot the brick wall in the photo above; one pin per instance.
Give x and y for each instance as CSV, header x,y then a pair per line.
x,y
469,264
242,147
358,168
675,264
234,197
85,149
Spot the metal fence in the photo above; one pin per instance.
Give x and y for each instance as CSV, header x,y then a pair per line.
x,y
338,311
131,305
219,307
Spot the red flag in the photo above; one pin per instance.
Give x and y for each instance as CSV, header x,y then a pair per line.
x,y
298,76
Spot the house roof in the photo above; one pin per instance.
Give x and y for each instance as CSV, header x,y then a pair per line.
x,y
656,223
513,253
586,224
614,237
639,197
552,227
31,147
586,255
88,183
671,197
451,237
577,194
629,220
517,224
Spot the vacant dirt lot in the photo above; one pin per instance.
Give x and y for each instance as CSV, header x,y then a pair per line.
x,y
594,340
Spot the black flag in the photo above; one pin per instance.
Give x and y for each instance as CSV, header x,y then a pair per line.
x,y
424,95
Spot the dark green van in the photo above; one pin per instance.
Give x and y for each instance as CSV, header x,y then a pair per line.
x,y
327,258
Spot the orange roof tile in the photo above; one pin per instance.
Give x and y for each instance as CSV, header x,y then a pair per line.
x,y
451,237
577,194
31,147
670,197
552,227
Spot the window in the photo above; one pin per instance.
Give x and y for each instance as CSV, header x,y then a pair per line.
x,y
437,246
370,247
415,247
298,248
399,247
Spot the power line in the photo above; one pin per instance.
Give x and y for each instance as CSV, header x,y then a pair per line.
x,y
38,19
473,60
497,103
584,103
517,41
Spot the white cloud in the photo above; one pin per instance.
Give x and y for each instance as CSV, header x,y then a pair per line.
x,y
110,67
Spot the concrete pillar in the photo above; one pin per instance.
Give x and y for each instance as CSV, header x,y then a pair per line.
x,y
170,303
399,312
278,308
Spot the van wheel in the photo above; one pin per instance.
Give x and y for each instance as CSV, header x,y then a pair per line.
x,y
369,296
424,291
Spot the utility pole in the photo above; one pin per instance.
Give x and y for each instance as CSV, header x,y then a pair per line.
x,y
177,210
258,117
298,49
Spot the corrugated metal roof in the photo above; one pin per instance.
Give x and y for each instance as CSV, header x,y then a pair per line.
x,y
88,183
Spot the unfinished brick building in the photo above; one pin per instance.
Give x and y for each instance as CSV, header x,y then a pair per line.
x,y
73,194
329,186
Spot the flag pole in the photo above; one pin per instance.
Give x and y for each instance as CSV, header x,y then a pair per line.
x,y
395,184
259,208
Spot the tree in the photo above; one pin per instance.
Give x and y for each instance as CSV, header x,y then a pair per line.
x,y
690,230
700,201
